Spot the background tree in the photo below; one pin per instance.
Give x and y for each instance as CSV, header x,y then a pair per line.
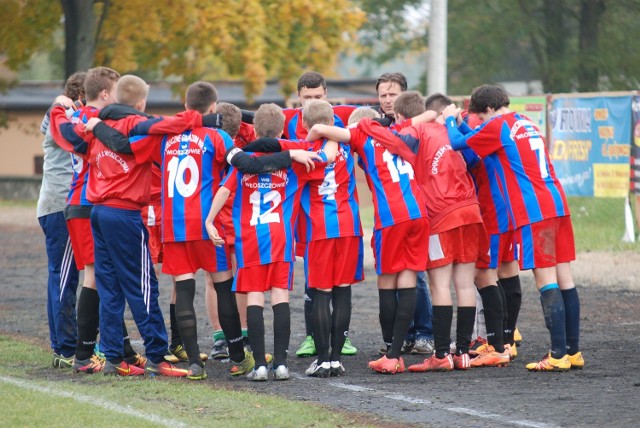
x,y
570,45
188,40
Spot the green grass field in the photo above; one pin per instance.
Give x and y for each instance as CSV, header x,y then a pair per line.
x,y
34,394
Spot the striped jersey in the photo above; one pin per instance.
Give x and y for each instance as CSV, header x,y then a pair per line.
x,y
330,208
440,171
522,166
193,165
496,215
395,192
265,209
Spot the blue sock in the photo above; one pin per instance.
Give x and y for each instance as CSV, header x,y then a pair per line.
x,y
554,318
572,315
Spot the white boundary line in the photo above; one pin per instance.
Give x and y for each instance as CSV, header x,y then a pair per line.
x,y
501,419
94,401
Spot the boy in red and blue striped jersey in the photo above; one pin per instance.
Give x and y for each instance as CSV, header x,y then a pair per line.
x,y
265,209
401,228
537,204
330,229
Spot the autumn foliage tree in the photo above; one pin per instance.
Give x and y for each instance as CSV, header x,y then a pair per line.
x,y
251,40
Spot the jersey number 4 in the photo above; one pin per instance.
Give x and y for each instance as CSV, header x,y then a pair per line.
x,y
257,199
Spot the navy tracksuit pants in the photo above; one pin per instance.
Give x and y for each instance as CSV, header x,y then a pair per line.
x,y
124,271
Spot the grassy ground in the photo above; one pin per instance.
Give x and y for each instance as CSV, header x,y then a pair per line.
x,y
33,398
598,224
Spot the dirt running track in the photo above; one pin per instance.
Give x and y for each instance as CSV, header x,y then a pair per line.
x,y
605,393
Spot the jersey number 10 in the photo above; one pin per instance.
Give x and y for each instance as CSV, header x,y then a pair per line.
x,y
177,170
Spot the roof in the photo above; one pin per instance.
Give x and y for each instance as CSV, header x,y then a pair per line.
x,y
39,95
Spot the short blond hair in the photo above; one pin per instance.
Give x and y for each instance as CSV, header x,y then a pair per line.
x,y
131,89
317,112
361,113
231,118
268,121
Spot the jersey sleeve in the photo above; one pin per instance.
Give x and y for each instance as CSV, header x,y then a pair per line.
x,y
258,164
70,137
294,144
147,147
222,145
177,124
404,145
230,181
317,174
485,140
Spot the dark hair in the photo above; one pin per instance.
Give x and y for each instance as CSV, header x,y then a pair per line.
x,y
311,79
409,104
200,95
397,77
74,87
437,102
486,96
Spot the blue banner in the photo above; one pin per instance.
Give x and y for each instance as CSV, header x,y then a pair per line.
x,y
590,144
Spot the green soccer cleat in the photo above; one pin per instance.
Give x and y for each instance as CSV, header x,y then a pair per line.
x,y
348,348
308,348
243,367
196,372
177,354
62,362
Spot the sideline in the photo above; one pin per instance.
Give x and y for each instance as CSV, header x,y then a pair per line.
x,y
94,401
499,419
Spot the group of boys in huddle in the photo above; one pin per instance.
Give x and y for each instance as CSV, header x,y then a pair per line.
x,y
470,197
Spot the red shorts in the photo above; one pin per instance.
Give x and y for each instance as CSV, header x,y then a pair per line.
x,y
458,245
81,241
401,246
188,257
500,248
333,262
261,278
545,243
301,249
155,243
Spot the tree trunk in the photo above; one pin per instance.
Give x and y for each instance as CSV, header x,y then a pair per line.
x,y
555,76
80,35
591,15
